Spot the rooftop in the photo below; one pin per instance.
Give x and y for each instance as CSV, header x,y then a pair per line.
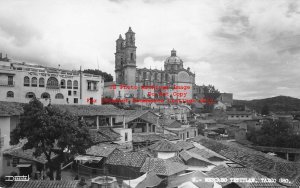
x,y
132,159
162,167
165,146
104,134
103,150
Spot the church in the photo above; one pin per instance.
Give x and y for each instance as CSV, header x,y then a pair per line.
x,y
174,82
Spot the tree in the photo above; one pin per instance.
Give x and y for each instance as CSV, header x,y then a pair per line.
x,y
265,110
210,95
50,131
107,77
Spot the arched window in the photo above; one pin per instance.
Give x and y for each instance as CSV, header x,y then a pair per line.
x,y
42,82
45,95
26,81
52,83
63,84
69,84
10,94
33,82
59,96
29,95
75,84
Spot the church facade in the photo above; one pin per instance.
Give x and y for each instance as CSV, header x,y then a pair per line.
x,y
174,82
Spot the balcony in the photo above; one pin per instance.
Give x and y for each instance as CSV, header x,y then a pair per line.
x,y
7,83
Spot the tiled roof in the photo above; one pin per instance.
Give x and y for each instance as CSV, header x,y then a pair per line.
x,y
91,110
45,184
151,180
228,172
194,177
185,145
11,108
146,115
165,146
176,159
187,155
27,155
170,123
207,154
132,159
106,134
268,165
162,166
152,137
103,150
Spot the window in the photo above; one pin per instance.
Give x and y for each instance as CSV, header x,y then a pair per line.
x,y
10,94
33,82
187,135
59,96
42,82
63,84
155,76
26,81
144,75
52,83
195,133
131,56
45,95
75,84
10,80
67,99
166,77
89,85
29,95
75,100
126,137
74,92
69,84
69,92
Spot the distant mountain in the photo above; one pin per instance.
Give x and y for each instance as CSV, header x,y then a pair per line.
x,y
275,104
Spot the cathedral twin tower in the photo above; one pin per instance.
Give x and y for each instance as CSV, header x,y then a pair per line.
x,y
127,72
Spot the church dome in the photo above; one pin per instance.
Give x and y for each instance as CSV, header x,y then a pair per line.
x,y
173,59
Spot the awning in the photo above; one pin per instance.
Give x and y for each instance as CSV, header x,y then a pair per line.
x,y
88,158
23,165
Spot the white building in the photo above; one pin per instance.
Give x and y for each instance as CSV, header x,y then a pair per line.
x,y
19,82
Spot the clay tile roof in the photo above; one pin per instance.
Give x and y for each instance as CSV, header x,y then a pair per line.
x,y
106,134
229,172
186,155
194,177
162,167
207,154
91,110
102,150
165,146
151,180
132,159
176,159
185,145
146,115
27,155
152,137
45,184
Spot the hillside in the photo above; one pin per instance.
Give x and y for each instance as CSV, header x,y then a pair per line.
x,y
275,104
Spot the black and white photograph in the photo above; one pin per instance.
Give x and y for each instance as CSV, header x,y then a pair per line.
x,y
149,93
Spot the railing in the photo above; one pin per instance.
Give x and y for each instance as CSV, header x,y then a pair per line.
x,y
7,83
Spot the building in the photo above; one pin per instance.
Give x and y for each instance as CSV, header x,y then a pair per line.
x,y
174,82
19,82
239,115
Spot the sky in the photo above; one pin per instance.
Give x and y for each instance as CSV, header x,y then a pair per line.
x,y
250,48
